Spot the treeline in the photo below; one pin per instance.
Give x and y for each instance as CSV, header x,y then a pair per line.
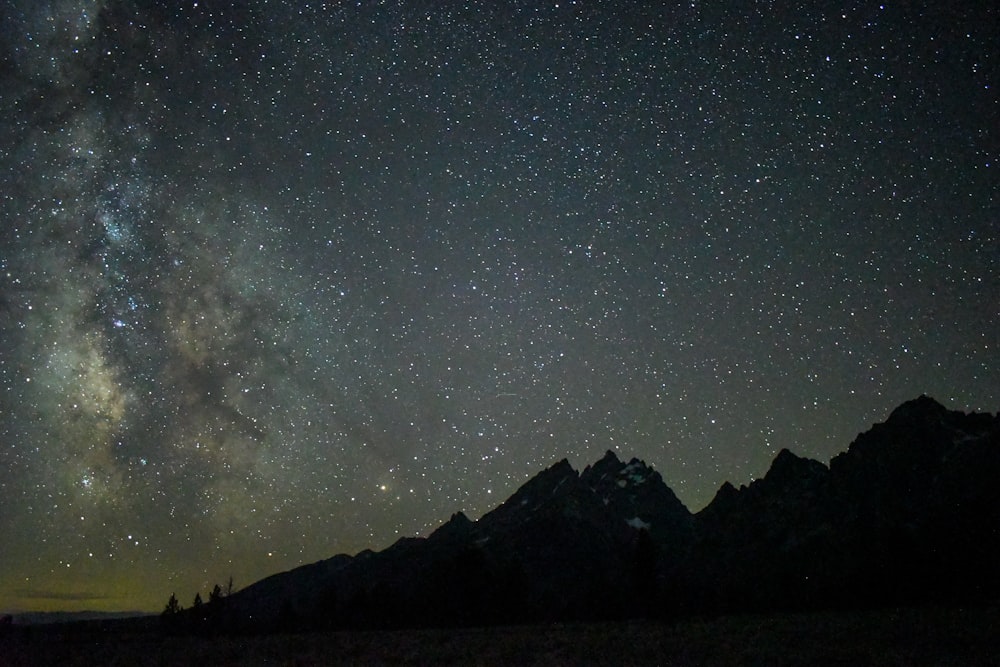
x,y
201,616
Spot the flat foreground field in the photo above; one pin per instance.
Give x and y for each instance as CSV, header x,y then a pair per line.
x,y
904,637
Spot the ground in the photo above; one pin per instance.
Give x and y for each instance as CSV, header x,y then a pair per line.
x,y
903,637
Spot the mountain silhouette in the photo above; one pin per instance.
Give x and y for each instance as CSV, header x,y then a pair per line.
x,y
909,514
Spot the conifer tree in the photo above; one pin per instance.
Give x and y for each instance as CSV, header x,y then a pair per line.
x,y
173,607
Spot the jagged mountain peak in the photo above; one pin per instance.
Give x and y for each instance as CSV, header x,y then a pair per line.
x,y
635,495
556,481
790,476
459,518
609,458
917,435
636,472
724,498
611,469
622,496
790,468
548,482
785,457
551,479
458,526
920,409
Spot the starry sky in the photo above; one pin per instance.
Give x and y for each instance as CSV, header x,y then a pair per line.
x,y
280,280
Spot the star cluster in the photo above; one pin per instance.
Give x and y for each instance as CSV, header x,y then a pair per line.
x,y
283,280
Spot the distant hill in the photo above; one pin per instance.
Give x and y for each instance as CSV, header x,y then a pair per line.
x,y
54,617
909,514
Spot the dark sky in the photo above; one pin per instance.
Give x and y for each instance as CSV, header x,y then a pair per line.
x,y
280,280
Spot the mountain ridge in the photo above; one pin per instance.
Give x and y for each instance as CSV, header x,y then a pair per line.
x,y
907,514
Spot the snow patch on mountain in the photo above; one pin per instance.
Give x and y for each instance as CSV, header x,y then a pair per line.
x,y
638,524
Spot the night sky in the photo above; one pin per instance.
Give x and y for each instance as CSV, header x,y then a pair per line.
x,y
280,280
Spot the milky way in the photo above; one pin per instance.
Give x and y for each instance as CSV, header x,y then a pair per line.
x,y
283,280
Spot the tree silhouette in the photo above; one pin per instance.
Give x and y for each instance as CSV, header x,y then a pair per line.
x,y
171,614
173,606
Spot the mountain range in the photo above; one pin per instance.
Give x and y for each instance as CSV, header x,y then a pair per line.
x,y
909,514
